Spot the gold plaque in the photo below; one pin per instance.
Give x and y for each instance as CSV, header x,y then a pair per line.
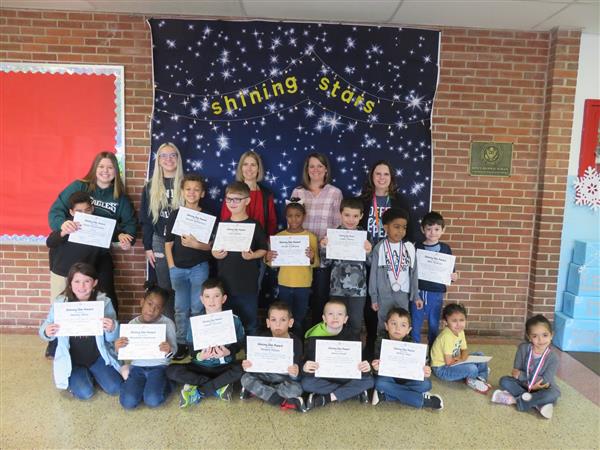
x,y
491,159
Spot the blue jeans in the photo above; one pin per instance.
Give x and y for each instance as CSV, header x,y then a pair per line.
x,y
297,299
245,306
81,381
538,398
187,284
409,392
432,311
149,384
462,371
342,388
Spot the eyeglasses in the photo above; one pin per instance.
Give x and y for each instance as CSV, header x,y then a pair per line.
x,y
168,155
234,200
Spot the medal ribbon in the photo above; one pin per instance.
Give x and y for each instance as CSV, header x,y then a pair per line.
x,y
539,366
388,251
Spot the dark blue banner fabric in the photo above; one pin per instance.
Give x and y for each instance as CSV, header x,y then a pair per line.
x,y
355,93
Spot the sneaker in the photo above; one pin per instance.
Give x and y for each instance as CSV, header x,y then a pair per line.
x,y
432,401
503,397
478,385
546,411
245,394
182,352
363,397
189,396
294,403
315,400
224,393
375,398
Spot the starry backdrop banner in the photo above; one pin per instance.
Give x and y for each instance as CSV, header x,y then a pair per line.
x,y
358,94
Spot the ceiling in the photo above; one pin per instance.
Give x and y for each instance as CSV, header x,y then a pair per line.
x,y
538,15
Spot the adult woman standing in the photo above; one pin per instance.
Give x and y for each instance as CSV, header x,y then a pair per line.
x,y
322,203
160,196
103,183
380,194
250,170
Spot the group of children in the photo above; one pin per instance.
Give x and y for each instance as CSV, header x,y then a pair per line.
x,y
388,276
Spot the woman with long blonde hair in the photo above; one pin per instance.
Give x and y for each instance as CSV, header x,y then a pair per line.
x,y
161,195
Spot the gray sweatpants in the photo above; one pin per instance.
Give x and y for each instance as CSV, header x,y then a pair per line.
x,y
264,385
400,299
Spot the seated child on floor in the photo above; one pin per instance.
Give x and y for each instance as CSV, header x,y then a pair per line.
x,y
146,379
410,392
450,347
326,390
531,383
277,389
212,370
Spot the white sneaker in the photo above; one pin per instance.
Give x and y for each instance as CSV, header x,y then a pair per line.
x,y
375,398
546,410
503,397
478,385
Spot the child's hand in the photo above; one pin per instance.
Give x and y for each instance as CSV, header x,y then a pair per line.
x,y
540,385
51,329
248,255
293,370
368,247
69,227
124,371
125,241
311,255
419,303
120,343
206,353
270,256
323,242
375,364
364,366
427,371
108,324
219,254
150,257
221,351
246,364
165,347
516,373
310,366
375,306
454,276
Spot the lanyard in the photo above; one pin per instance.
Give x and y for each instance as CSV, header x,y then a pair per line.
x,y
395,268
539,366
376,210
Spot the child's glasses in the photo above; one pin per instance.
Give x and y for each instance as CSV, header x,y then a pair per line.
x,y
234,200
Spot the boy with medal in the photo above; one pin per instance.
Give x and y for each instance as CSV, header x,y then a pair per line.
x,y
393,279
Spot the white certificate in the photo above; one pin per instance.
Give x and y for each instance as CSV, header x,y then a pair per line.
x,y
269,354
234,236
95,230
434,266
338,359
473,359
346,244
402,359
79,318
291,250
196,223
210,330
144,339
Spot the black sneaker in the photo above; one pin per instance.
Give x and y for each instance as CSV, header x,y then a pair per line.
x,y
315,400
51,349
295,403
182,352
245,394
363,397
432,401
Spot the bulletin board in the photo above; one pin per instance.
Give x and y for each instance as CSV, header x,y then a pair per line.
x,y
53,120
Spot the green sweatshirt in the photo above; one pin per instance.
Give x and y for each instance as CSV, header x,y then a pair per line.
x,y
318,330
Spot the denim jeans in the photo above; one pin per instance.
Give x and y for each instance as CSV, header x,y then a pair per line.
x,y
408,392
147,384
462,371
432,311
245,306
187,284
538,398
297,299
161,269
342,388
81,381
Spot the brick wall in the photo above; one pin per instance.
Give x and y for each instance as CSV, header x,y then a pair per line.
x,y
495,85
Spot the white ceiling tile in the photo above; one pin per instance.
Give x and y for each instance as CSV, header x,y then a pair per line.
x,y
578,15
69,5
185,7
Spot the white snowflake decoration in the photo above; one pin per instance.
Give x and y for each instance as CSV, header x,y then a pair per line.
x,y
587,189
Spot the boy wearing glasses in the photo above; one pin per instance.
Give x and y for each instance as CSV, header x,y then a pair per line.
x,y
239,270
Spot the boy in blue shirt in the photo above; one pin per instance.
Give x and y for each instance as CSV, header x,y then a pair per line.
x,y
213,370
431,295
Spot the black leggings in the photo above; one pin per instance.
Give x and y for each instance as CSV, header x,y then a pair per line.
x,y
106,278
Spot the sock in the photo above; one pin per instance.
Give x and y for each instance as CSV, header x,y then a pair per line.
x,y
275,399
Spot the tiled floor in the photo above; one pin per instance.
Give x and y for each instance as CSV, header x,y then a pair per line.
x,y
34,414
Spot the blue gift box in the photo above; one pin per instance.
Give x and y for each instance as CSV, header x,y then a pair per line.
x,y
579,335
583,280
580,307
587,252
